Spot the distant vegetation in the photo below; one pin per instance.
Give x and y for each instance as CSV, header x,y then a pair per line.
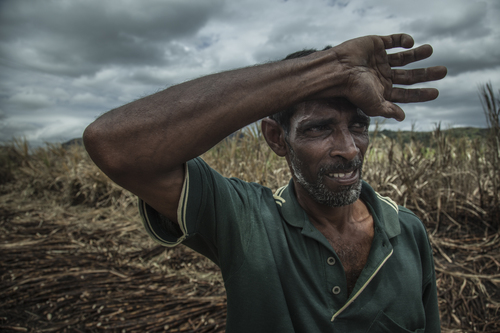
x,y
425,138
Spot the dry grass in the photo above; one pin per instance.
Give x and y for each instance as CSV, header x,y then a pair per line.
x,y
75,257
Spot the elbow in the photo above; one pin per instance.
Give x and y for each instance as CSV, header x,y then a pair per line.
x,y
91,141
99,145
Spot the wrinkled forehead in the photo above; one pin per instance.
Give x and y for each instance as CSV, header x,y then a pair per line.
x,y
327,107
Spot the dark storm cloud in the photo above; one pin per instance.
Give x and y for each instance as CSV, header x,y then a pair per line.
x,y
468,63
464,34
78,37
287,38
465,57
466,22
65,62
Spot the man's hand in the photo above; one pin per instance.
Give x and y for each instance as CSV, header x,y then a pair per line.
x,y
370,74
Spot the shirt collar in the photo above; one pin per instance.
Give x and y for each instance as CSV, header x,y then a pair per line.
x,y
384,209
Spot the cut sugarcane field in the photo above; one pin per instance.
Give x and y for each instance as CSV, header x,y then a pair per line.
x,y
76,258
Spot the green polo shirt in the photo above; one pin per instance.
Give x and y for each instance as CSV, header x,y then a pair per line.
x,y
280,272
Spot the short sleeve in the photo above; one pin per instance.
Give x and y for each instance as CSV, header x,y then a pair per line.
x,y
215,214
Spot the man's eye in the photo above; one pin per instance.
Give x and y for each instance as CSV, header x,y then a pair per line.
x,y
318,128
361,126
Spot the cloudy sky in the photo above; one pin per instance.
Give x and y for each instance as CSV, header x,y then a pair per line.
x,y
65,62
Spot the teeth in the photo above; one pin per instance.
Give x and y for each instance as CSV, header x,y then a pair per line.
x,y
339,175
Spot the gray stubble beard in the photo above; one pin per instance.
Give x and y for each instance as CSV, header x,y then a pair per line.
x,y
318,190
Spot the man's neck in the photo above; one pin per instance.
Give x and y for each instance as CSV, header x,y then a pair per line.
x,y
325,216
349,230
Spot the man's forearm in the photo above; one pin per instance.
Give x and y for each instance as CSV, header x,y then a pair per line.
x,y
172,126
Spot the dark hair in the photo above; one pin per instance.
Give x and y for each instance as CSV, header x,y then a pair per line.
x,y
283,117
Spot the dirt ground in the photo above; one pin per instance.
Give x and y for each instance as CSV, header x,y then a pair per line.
x,y
80,269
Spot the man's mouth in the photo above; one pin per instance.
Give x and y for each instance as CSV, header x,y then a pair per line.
x,y
340,175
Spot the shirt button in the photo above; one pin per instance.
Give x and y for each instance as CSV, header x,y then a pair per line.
x,y
330,261
336,290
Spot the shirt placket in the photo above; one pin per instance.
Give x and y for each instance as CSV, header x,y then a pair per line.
x,y
381,252
335,284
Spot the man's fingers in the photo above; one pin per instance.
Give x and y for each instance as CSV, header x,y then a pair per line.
x,y
387,109
400,95
394,112
412,76
397,40
407,57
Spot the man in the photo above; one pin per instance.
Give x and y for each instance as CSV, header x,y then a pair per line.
x,y
325,253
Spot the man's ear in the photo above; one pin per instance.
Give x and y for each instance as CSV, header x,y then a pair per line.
x,y
274,135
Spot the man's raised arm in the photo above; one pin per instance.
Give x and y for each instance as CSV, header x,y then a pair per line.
x,y
143,145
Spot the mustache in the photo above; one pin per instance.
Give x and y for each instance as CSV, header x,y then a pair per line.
x,y
342,166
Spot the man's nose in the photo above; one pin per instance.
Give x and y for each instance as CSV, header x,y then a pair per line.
x,y
343,145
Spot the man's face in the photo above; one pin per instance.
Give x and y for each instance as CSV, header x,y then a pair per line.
x,y
327,143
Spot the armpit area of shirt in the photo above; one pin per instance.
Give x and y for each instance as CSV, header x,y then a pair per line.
x,y
170,227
